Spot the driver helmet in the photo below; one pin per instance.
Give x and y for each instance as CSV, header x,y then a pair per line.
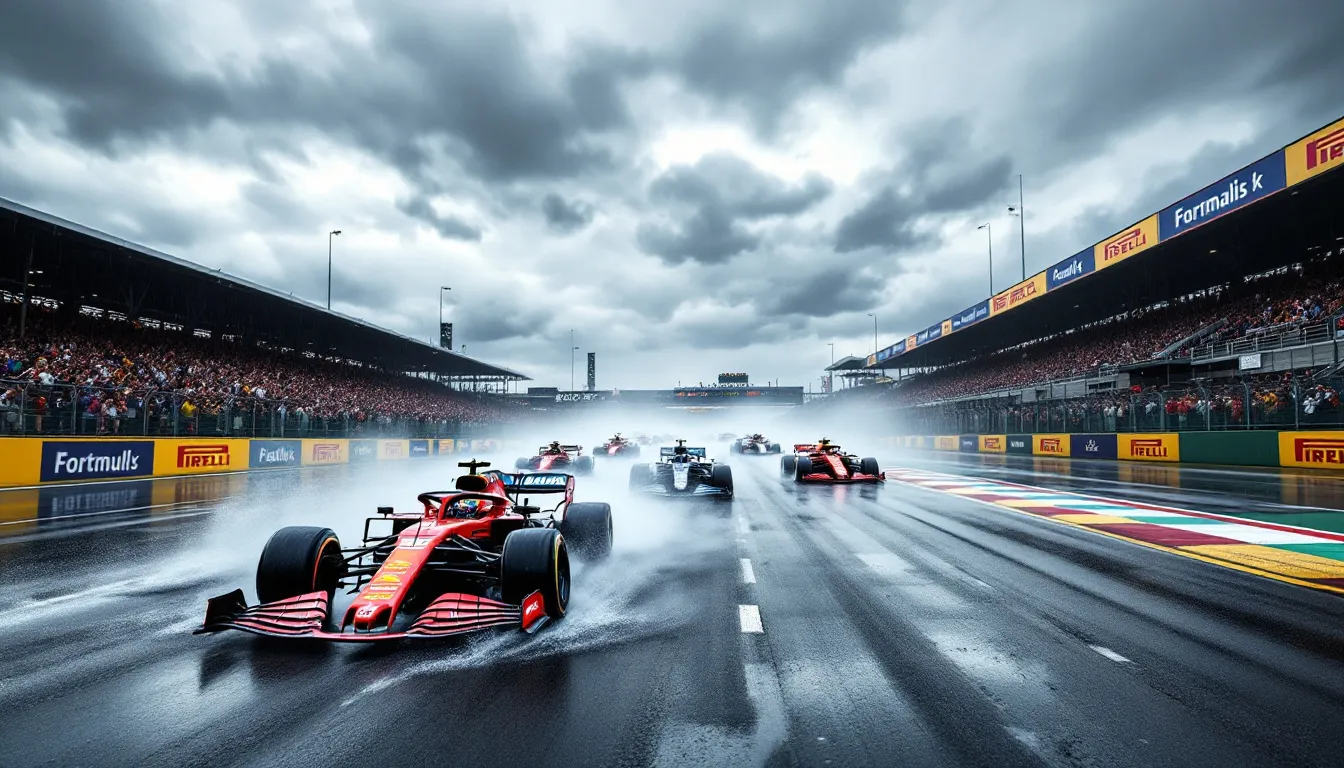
x,y
463,509
555,447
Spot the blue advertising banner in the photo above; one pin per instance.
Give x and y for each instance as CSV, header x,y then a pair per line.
x,y
1019,444
276,453
971,315
1240,189
363,450
970,443
419,448
935,332
1070,269
96,460
922,337
1093,446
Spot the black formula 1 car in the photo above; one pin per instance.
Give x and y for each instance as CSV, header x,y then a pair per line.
x,y
825,462
618,447
558,458
755,444
683,472
473,558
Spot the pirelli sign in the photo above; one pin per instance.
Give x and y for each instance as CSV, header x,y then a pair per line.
x,y
1313,450
1149,447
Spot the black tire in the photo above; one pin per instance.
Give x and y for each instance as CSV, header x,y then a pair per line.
x,y
639,476
535,560
522,464
869,466
634,449
299,559
774,448
722,477
587,529
786,465
736,447
802,468
584,465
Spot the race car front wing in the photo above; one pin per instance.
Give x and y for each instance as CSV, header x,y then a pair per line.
x,y
305,616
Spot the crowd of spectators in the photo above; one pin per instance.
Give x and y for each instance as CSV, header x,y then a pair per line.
x,y
110,372
1283,303
1283,400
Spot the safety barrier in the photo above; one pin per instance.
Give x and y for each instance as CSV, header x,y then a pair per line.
x,y
31,462
1312,450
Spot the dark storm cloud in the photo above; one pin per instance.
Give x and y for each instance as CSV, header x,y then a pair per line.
x,y
450,227
840,288
764,67
741,190
707,199
451,82
708,236
565,216
1157,58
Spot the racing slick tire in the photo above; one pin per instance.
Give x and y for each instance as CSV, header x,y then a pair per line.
x,y
722,477
786,466
774,448
736,447
640,476
587,529
802,468
535,560
299,559
868,466
583,465
522,464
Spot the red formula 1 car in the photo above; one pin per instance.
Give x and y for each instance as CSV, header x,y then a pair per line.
x,y
558,458
619,446
824,462
475,558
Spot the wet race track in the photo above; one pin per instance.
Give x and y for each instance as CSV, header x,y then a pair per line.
x,y
810,626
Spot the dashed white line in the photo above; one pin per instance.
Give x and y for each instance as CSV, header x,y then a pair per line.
x,y
743,527
749,616
1108,653
748,575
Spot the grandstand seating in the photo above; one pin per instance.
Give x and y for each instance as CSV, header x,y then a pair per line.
x,y
87,375
1267,305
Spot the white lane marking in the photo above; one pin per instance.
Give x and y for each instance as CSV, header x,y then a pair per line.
x,y
748,575
743,526
1108,653
749,616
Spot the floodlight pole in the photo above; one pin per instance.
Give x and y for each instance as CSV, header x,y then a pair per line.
x,y
330,235
989,236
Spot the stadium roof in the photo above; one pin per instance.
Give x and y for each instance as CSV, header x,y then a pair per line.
x,y
849,363
1279,210
78,266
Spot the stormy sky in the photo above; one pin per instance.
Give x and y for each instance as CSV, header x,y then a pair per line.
x,y
692,187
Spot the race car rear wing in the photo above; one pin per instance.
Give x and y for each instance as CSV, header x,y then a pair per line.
x,y
809,447
565,448
669,451
537,482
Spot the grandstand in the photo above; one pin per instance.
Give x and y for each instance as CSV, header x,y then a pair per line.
x,y
102,336
1223,310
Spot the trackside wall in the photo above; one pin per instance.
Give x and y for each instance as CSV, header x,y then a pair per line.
x,y
1307,450
27,461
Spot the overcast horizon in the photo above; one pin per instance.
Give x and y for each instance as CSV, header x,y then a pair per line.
x,y
693,189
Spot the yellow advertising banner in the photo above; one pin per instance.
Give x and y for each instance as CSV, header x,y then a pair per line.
x,y
1316,154
1019,294
993,443
445,447
947,327
195,457
1050,445
945,443
323,451
1149,446
1316,450
394,450
1125,243
909,343
20,461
